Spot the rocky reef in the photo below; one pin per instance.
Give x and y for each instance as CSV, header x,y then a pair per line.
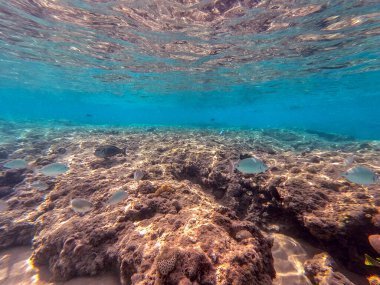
x,y
321,269
190,220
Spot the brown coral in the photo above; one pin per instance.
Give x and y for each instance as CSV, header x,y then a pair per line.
x,y
166,261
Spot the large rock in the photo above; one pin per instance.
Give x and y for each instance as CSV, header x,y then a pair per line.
x,y
322,270
175,234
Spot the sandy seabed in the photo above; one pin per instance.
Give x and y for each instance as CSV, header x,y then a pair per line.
x,y
189,220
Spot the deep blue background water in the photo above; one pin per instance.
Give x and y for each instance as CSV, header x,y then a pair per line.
x,y
348,105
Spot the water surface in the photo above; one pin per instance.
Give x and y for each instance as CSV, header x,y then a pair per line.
x,y
285,64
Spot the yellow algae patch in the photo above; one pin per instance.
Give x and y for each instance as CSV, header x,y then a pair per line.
x,y
165,188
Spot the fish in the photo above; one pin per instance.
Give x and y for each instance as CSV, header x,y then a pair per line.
x,y
39,185
151,129
231,167
81,206
3,206
54,169
116,197
374,241
361,175
221,132
138,175
251,165
349,161
373,280
16,164
370,261
107,151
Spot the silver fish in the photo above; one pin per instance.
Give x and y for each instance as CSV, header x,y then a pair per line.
x,y
231,167
54,169
116,197
80,206
107,151
16,164
349,161
39,185
361,175
251,165
138,175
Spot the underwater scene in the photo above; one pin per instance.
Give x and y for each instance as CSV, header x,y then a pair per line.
x,y
189,142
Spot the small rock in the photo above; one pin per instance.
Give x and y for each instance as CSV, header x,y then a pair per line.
x,y
242,235
3,154
145,187
5,190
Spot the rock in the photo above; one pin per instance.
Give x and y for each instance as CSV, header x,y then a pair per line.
x,y
146,187
189,203
12,177
242,235
337,216
376,220
15,234
322,270
5,190
149,242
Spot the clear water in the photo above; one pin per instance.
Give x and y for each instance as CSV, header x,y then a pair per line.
x,y
189,87
263,64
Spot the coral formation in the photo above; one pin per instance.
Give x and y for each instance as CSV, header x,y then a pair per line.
x,y
190,220
166,261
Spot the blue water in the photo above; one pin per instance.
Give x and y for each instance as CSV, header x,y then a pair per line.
x,y
299,65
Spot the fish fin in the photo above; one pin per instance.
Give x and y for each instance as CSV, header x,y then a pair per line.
x,y
370,261
337,174
125,151
233,165
367,260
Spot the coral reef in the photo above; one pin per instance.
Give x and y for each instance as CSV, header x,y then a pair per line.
x,y
189,220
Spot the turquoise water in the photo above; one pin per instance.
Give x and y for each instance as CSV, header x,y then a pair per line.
x,y
172,142
261,64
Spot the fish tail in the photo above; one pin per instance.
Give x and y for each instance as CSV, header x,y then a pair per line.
x,y
125,151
